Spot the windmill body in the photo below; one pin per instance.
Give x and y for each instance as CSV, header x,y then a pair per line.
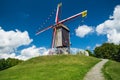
x,y
61,33
62,39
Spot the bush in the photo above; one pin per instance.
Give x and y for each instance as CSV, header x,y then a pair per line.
x,y
6,63
109,51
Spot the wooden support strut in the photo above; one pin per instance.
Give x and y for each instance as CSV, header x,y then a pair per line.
x,y
54,36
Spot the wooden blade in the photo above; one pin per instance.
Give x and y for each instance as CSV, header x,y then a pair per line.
x,y
57,13
84,13
40,31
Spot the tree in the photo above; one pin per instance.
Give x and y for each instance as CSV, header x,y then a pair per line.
x,y
108,50
4,64
117,56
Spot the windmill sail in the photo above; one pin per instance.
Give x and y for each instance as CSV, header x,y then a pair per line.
x,y
84,13
61,33
57,13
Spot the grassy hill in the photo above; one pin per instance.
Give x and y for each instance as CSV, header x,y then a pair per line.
x,y
59,67
111,70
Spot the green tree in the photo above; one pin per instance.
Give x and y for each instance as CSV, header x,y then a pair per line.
x,y
6,63
108,50
2,64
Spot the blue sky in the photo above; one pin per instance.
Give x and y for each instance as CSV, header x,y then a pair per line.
x,y
29,15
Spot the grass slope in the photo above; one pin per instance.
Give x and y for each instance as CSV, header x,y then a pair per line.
x,y
111,70
59,67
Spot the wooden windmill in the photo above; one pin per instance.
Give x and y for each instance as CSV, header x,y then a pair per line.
x,y
61,33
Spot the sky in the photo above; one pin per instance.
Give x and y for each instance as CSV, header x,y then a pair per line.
x,y
21,19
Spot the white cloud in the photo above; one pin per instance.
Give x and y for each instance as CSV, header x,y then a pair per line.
x,y
14,38
29,53
33,52
6,55
88,47
42,51
81,51
75,50
97,45
111,27
83,30
11,40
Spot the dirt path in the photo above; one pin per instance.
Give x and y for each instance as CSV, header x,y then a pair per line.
x,y
95,73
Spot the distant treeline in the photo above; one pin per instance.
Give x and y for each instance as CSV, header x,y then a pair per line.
x,y
108,51
6,63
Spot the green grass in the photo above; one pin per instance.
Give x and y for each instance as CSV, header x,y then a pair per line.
x,y
59,67
111,70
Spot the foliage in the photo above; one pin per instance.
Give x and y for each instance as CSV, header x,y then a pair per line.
x,y
111,70
56,67
109,51
6,63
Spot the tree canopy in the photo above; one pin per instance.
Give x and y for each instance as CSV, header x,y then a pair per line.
x,y
6,63
109,51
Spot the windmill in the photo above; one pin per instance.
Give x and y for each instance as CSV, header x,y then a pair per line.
x,y
61,33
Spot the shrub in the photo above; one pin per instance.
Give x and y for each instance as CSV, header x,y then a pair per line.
x,y
109,51
6,63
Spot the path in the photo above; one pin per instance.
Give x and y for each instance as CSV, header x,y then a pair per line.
x,y
95,73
